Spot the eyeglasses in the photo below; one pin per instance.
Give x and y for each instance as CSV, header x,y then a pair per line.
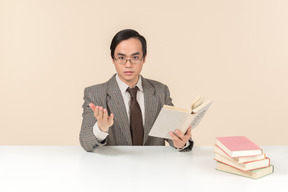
x,y
122,60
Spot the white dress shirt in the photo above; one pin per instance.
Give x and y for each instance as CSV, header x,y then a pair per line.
x,y
100,135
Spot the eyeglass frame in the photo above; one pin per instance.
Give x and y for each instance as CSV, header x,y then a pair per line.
x,y
127,60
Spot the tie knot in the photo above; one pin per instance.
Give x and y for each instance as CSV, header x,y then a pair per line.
x,y
132,91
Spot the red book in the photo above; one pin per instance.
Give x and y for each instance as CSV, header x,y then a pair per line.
x,y
238,146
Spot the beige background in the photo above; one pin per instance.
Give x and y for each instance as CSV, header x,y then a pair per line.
x,y
234,52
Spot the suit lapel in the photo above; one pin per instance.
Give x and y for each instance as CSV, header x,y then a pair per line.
x,y
151,107
117,107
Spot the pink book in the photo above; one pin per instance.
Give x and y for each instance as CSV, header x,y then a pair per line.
x,y
238,146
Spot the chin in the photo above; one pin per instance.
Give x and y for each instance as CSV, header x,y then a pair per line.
x,y
129,77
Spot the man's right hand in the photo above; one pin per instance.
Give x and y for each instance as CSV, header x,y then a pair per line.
x,y
103,120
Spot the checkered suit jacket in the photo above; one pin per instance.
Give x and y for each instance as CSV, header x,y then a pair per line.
x,y
108,95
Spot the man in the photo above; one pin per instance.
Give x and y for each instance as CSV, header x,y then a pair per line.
x,y
122,110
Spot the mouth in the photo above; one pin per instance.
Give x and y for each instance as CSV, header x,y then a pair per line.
x,y
128,72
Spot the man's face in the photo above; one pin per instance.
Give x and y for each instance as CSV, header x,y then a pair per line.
x,y
129,49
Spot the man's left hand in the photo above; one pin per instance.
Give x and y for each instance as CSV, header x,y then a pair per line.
x,y
179,139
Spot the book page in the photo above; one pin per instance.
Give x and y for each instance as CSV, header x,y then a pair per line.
x,y
199,113
197,119
168,120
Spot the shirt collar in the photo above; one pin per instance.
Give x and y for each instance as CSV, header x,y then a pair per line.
x,y
123,87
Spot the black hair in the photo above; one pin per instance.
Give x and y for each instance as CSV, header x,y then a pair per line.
x,y
124,35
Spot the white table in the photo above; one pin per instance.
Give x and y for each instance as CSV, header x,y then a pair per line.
x,y
70,168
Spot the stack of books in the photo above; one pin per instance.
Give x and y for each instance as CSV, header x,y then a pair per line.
x,y
239,155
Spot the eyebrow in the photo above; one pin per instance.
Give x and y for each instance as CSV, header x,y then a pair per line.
x,y
137,53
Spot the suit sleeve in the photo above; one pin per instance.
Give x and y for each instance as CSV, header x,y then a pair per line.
x,y
87,138
168,101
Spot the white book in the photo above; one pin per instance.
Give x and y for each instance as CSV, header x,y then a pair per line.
x,y
171,118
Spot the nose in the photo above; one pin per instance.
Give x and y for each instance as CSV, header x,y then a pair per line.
x,y
128,63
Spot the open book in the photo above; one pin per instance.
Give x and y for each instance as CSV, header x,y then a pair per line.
x,y
171,118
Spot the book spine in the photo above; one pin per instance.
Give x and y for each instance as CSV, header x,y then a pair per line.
x,y
223,151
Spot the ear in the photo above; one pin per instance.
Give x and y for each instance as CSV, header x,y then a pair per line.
x,y
144,58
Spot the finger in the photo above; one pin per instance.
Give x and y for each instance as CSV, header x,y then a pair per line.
x,y
112,116
105,114
176,140
187,135
96,112
92,106
179,134
174,137
188,132
100,113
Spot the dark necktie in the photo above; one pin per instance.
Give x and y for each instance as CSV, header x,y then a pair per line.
x,y
136,122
